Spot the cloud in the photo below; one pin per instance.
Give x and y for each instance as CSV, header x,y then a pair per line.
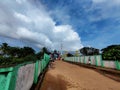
x,y
27,20
105,9
110,1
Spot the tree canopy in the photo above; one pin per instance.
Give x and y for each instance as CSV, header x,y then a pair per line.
x,y
16,51
111,52
13,55
89,51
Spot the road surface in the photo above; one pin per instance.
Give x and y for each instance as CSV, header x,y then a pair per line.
x,y
66,76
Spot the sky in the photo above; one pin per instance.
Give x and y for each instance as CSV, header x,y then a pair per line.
x,y
72,24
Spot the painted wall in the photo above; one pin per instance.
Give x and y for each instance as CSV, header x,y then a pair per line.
x,y
92,60
109,64
95,60
22,76
25,77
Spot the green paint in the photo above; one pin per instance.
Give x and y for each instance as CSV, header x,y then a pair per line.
x,y
8,76
96,62
3,81
40,66
36,72
6,69
102,64
80,59
8,81
14,75
117,65
91,60
84,60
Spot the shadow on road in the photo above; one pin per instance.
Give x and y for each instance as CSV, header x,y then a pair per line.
x,y
53,83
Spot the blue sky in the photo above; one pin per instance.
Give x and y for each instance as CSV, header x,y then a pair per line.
x,y
96,21
74,23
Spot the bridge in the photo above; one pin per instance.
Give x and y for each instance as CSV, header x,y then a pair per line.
x,y
72,73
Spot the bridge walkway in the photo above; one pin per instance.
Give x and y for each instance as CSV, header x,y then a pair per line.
x,y
65,76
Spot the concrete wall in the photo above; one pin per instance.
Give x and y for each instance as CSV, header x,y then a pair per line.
x,y
109,64
96,60
92,58
82,59
25,77
87,59
22,76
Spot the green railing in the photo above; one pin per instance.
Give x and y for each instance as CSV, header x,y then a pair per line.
x,y
22,76
95,60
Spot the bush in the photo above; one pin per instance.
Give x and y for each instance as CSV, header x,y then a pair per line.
x,y
5,60
8,61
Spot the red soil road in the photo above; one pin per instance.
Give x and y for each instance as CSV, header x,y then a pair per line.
x,y
66,76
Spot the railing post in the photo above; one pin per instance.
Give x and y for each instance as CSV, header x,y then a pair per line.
x,y
84,60
117,65
102,64
96,62
36,72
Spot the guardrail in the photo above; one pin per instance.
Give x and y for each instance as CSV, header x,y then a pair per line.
x,y
95,60
22,76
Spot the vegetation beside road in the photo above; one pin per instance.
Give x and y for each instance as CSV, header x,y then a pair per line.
x,y
15,55
111,52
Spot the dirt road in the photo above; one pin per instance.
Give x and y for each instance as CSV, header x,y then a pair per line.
x,y
66,76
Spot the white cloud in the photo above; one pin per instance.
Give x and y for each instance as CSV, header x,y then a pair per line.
x,y
22,17
105,9
25,21
102,1
20,1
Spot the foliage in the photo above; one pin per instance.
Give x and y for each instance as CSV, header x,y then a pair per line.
x,y
15,55
26,51
5,60
69,55
16,51
89,51
40,54
4,48
111,52
45,50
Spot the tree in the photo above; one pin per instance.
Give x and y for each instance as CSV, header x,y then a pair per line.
x,y
14,51
41,53
45,50
111,52
89,51
69,55
26,51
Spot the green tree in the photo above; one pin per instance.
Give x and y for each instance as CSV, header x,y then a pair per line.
x,y
69,55
111,52
26,51
14,51
89,51
41,53
45,50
